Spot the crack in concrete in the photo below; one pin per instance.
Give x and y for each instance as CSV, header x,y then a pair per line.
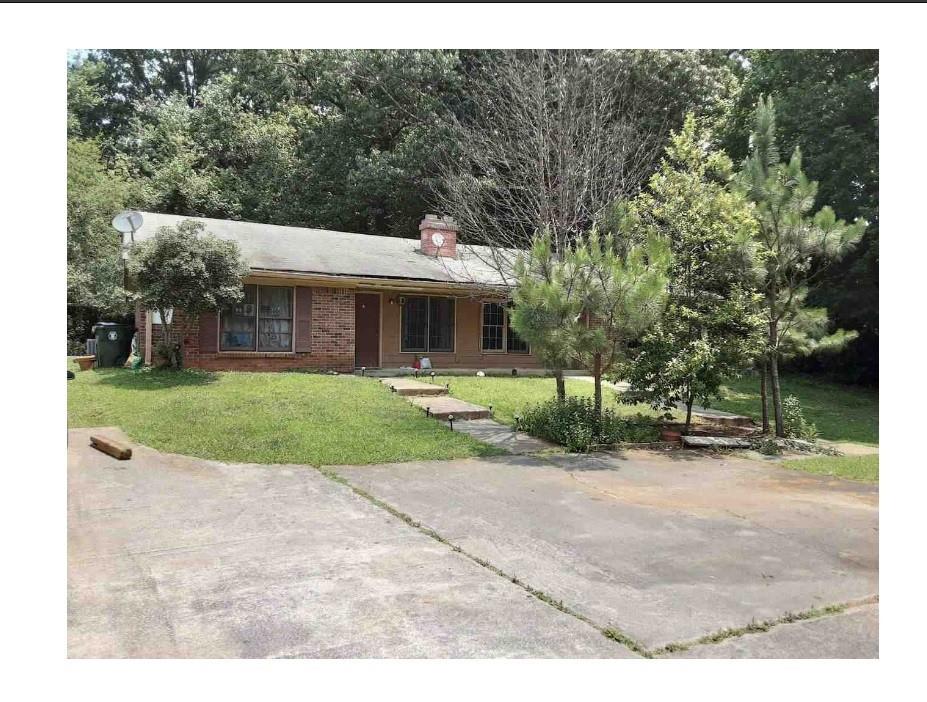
x,y
610,632
763,626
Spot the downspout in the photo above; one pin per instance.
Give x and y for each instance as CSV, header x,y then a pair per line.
x,y
147,337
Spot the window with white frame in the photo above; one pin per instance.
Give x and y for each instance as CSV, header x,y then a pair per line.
x,y
427,324
497,335
493,333
262,321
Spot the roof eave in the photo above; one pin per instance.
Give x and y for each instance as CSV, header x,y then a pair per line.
x,y
379,282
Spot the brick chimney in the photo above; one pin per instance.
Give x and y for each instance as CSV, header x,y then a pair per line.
x,y
439,236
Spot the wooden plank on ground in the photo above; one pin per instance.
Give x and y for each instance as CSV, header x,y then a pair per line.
x,y
111,447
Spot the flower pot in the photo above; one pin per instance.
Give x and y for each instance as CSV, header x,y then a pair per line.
x,y
670,434
84,362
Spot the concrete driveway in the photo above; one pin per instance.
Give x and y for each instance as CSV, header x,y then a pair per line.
x,y
174,556
170,556
665,548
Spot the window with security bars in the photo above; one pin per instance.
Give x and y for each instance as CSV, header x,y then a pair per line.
x,y
262,321
427,324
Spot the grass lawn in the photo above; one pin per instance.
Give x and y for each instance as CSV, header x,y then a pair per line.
x,y
841,412
510,396
853,467
263,417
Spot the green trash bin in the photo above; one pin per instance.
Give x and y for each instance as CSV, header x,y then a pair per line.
x,y
114,343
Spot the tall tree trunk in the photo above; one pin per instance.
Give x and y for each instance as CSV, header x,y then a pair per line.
x,y
764,400
774,377
597,377
690,400
174,358
561,385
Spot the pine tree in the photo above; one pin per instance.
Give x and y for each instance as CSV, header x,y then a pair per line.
x,y
546,307
789,240
588,303
623,295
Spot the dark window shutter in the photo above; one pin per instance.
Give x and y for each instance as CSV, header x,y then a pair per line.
x,y
303,319
209,332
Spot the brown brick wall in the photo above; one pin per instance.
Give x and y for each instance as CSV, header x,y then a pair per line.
x,y
332,340
467,352
332,345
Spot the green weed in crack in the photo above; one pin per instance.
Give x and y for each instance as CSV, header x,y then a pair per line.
x,y
754,627
611,633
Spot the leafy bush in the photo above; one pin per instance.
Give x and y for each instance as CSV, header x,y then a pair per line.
x,y
769,447
796,426
574,424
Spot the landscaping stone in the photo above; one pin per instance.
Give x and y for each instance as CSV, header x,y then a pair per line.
x,y
714,442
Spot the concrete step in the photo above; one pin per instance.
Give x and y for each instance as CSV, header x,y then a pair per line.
x,y
409,387
444,407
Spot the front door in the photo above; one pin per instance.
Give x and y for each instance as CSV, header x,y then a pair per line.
x,y
367,330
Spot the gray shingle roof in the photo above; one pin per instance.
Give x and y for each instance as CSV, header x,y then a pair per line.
x,y
269,247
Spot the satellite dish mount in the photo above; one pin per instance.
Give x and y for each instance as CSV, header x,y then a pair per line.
x,y
128,222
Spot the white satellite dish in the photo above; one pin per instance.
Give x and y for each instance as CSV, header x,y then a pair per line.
x,y
437,239
128,222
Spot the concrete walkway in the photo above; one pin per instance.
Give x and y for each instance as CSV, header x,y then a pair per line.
x,y
492,432
410,387
469,418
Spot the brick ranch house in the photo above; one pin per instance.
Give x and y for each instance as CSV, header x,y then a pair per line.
x,y
317,299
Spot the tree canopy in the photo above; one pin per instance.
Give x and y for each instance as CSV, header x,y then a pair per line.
x,y
709,330
360,141
827,104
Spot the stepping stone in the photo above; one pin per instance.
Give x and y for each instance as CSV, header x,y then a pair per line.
x,y
492,432
443,407
409,387
714,442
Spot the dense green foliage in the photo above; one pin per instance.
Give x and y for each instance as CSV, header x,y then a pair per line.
x,y
827,104
95,193
793,419
353,139
708,331
623,291
578,425
182,268
621,288
263,417
839,412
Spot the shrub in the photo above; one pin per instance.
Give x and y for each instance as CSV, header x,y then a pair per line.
x,y
769,447
574,424
796,426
